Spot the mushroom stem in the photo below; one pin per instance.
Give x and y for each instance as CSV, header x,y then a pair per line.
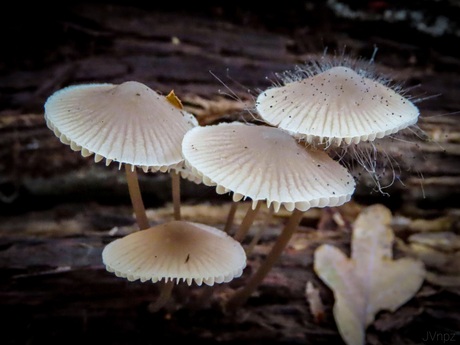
x,y
247,222
230,217
136,197
240,297
258,234
175,181
165,294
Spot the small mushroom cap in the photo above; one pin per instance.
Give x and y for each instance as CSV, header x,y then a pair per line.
x,y
265,163
176,251
128,123
338,105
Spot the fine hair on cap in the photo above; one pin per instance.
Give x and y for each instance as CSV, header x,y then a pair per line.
x,y
337,105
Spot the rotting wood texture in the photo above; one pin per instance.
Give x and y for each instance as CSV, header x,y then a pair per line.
x,y
59,209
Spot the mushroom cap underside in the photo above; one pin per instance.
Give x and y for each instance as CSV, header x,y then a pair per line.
x,y
128,123
265,164
176,251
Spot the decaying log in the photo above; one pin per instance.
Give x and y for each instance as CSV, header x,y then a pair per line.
x,y
216,68
58,209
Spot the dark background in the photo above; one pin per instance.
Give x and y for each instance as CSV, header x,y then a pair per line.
x,y
207,53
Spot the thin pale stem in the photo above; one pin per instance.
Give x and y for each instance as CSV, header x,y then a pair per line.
x,y
240,297
163,298
136,197
259,233
175,181
231,217
247,222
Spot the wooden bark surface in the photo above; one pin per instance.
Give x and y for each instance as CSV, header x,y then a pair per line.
x,y
217,67
57,208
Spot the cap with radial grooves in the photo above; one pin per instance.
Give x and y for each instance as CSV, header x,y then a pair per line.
x,y
176,251
128,123
265,163
337,106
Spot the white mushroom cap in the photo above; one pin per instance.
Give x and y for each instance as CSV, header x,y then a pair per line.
x,y
128,123
187,173
337,105
176,251
265,163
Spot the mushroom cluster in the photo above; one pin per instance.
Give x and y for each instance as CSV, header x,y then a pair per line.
x,y
284,162
133,125
265,164
333,104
